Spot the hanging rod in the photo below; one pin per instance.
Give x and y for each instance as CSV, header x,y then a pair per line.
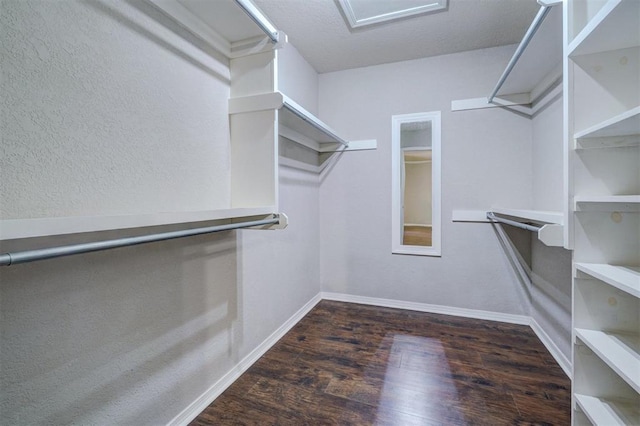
x,y
258,17
493,218
535,25
8,259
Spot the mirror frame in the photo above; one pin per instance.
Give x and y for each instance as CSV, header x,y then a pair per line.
x,y
396,184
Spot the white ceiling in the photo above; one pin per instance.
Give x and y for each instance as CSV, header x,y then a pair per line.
x,y
320,33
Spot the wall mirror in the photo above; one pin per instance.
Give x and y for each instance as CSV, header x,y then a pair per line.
x,y
416,184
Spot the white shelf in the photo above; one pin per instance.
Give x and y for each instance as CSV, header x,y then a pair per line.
x,y
602,412
14,229
222,24
627,203
615,26
624,278
541,61
621,130
542,216
621,352
295,122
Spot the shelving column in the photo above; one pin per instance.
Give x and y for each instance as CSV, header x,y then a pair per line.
x,y
602,115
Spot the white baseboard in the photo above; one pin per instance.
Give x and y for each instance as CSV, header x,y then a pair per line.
x,y
425,307
204,400
553,349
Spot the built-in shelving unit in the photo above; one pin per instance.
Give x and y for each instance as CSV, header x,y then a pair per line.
x,y
548,227
602,110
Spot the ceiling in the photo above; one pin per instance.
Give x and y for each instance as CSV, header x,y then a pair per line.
x,y
321,34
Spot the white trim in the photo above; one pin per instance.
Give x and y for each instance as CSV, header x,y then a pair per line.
x,y
204,400
424,225
426,307
553,349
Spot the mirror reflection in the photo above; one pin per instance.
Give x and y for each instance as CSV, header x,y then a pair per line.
x,y
416,183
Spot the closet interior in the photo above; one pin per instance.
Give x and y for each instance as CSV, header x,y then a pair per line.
x,y
573,84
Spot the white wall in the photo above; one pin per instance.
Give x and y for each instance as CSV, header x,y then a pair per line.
x,y
132,335
297,79
486,160
550,266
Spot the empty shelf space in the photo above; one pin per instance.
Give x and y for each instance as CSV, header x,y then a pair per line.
x,y
607,412
627,203
540,216
625,278
621,130
619,351
615,26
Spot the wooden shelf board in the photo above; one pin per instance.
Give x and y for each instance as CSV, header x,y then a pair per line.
x,y
615,26
625,124
14,229
534,215
625,278
302,121
621,352
606,412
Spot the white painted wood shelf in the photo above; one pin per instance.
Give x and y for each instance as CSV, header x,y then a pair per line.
x,y
541,216
627,203
625,278
223,24
602,412
615,26
14,229
618,131
295,122
621,352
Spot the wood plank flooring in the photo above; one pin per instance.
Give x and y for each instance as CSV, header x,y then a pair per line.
x,y
350,364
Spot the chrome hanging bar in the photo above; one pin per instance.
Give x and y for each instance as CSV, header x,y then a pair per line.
x,y
7,259
535,25
493,218
256,16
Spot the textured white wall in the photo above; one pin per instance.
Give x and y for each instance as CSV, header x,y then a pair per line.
x,y
486,160
93,122
297,79
551,266
133,335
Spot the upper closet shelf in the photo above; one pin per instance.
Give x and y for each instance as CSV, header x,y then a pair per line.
x,y
615,26
13,229
621,130
535,67
233,27
295,122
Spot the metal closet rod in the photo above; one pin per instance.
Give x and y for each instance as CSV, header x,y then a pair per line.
x,y
535,25
492,217
256,16
7,259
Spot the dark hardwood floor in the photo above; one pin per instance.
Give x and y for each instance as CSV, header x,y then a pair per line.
x,y
363,365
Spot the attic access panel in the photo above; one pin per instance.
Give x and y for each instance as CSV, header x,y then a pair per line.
x,y
360,13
